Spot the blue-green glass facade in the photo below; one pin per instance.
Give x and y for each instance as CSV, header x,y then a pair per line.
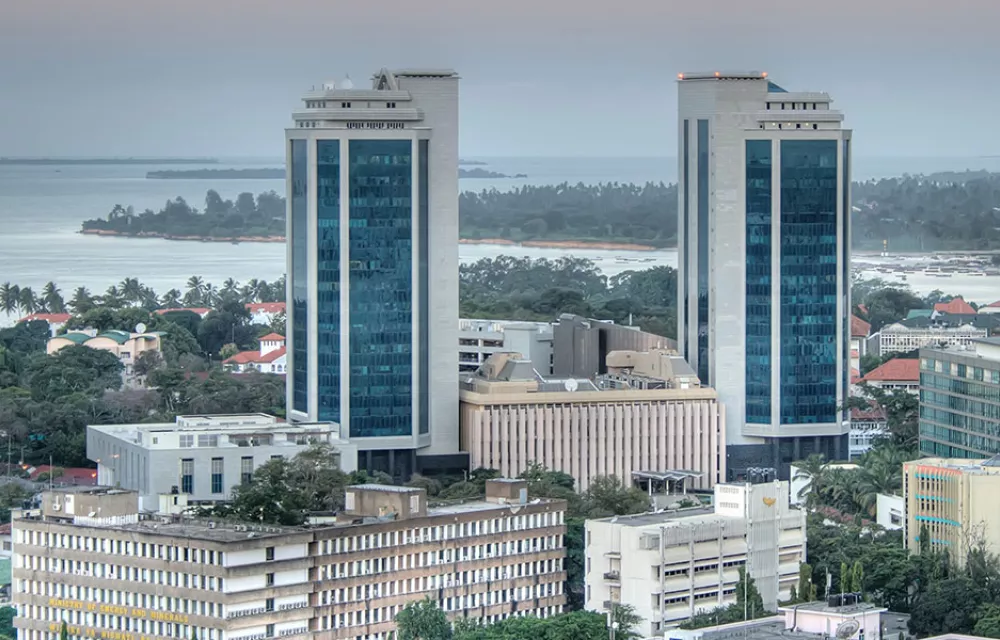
x,y
809,268
845,271
758,281
423,274
703,151
959,405
299,276
684,239
328,278
381,287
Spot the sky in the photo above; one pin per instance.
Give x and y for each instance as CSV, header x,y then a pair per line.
x,y
915,78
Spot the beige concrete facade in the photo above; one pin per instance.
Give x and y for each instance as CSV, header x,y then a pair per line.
x,y
89,559
954,501
670,565
613,427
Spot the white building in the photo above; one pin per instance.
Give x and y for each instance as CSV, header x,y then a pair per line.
x,y
56,321
479,339
270,358
890,511
898,338
89,557
837,618
764,262
866,427
202,456
860,330
373,266
671,565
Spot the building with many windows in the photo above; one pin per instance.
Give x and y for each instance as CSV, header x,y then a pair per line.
x,y
953,503
373,267
960,400
764,263
648,413
89,557
670,565
203,457
479,339
910,335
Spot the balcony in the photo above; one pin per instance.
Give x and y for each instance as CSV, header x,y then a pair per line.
x,y
614,576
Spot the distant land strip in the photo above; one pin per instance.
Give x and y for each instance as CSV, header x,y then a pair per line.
x,y
105,161
279,174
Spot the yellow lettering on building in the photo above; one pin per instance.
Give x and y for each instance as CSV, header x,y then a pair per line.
x,y
113,610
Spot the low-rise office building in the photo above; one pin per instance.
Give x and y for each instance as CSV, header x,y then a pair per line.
x,y
916,333
91,559
203,456
647,413
670,565
960,400
479,339
953,502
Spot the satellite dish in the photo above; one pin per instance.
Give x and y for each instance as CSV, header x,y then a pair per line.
x,y
847,628
571,385
140,328
347,83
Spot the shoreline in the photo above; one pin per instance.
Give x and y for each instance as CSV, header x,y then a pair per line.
x,y
540,244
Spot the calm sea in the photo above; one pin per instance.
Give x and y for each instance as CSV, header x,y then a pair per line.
x,y
41,208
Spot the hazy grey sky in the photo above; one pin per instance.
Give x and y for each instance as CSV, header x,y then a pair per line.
x,y
540,77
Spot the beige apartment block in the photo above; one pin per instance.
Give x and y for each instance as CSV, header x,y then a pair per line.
x,y
671,564
955,501
87,557
648,413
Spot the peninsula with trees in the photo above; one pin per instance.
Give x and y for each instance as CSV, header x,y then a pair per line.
x,y
279,174
919,214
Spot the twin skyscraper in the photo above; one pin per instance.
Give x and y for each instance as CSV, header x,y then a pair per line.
x,y
763,280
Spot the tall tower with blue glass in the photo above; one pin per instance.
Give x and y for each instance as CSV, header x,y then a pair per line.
x,y
764,263
373,267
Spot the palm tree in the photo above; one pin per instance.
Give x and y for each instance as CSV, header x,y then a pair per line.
x,y
210,295
52,298
171,299
27,301
196,290
148,299
10,297
815,471
131,290
113,298
247,294
229,287
82,301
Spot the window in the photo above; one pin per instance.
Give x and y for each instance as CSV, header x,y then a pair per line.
x,y
390,105
269,579
246,469
328,252
186,440
345,105
269,631
187,475
758,281
297,320
217,483
205,440
269,554
269,604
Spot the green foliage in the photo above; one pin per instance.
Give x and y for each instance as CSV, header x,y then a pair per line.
x,y
7,615
221,218
284,491
63,632
855,491
422,620
524,289
748,606
988,622
927,213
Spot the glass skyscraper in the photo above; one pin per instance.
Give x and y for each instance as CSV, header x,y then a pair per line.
x,y
372,220
764,294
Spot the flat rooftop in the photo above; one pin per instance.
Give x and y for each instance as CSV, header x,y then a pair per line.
x,y
691,515
820,606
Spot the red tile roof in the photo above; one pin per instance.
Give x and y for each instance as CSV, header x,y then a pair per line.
x,y
47,317
874,413
273,337
896,370
266,307
955,305
859,328
5,529
994,304
70,475
855,376
199,310
254,357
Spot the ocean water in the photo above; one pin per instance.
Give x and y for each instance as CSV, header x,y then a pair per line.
x,y
41,208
